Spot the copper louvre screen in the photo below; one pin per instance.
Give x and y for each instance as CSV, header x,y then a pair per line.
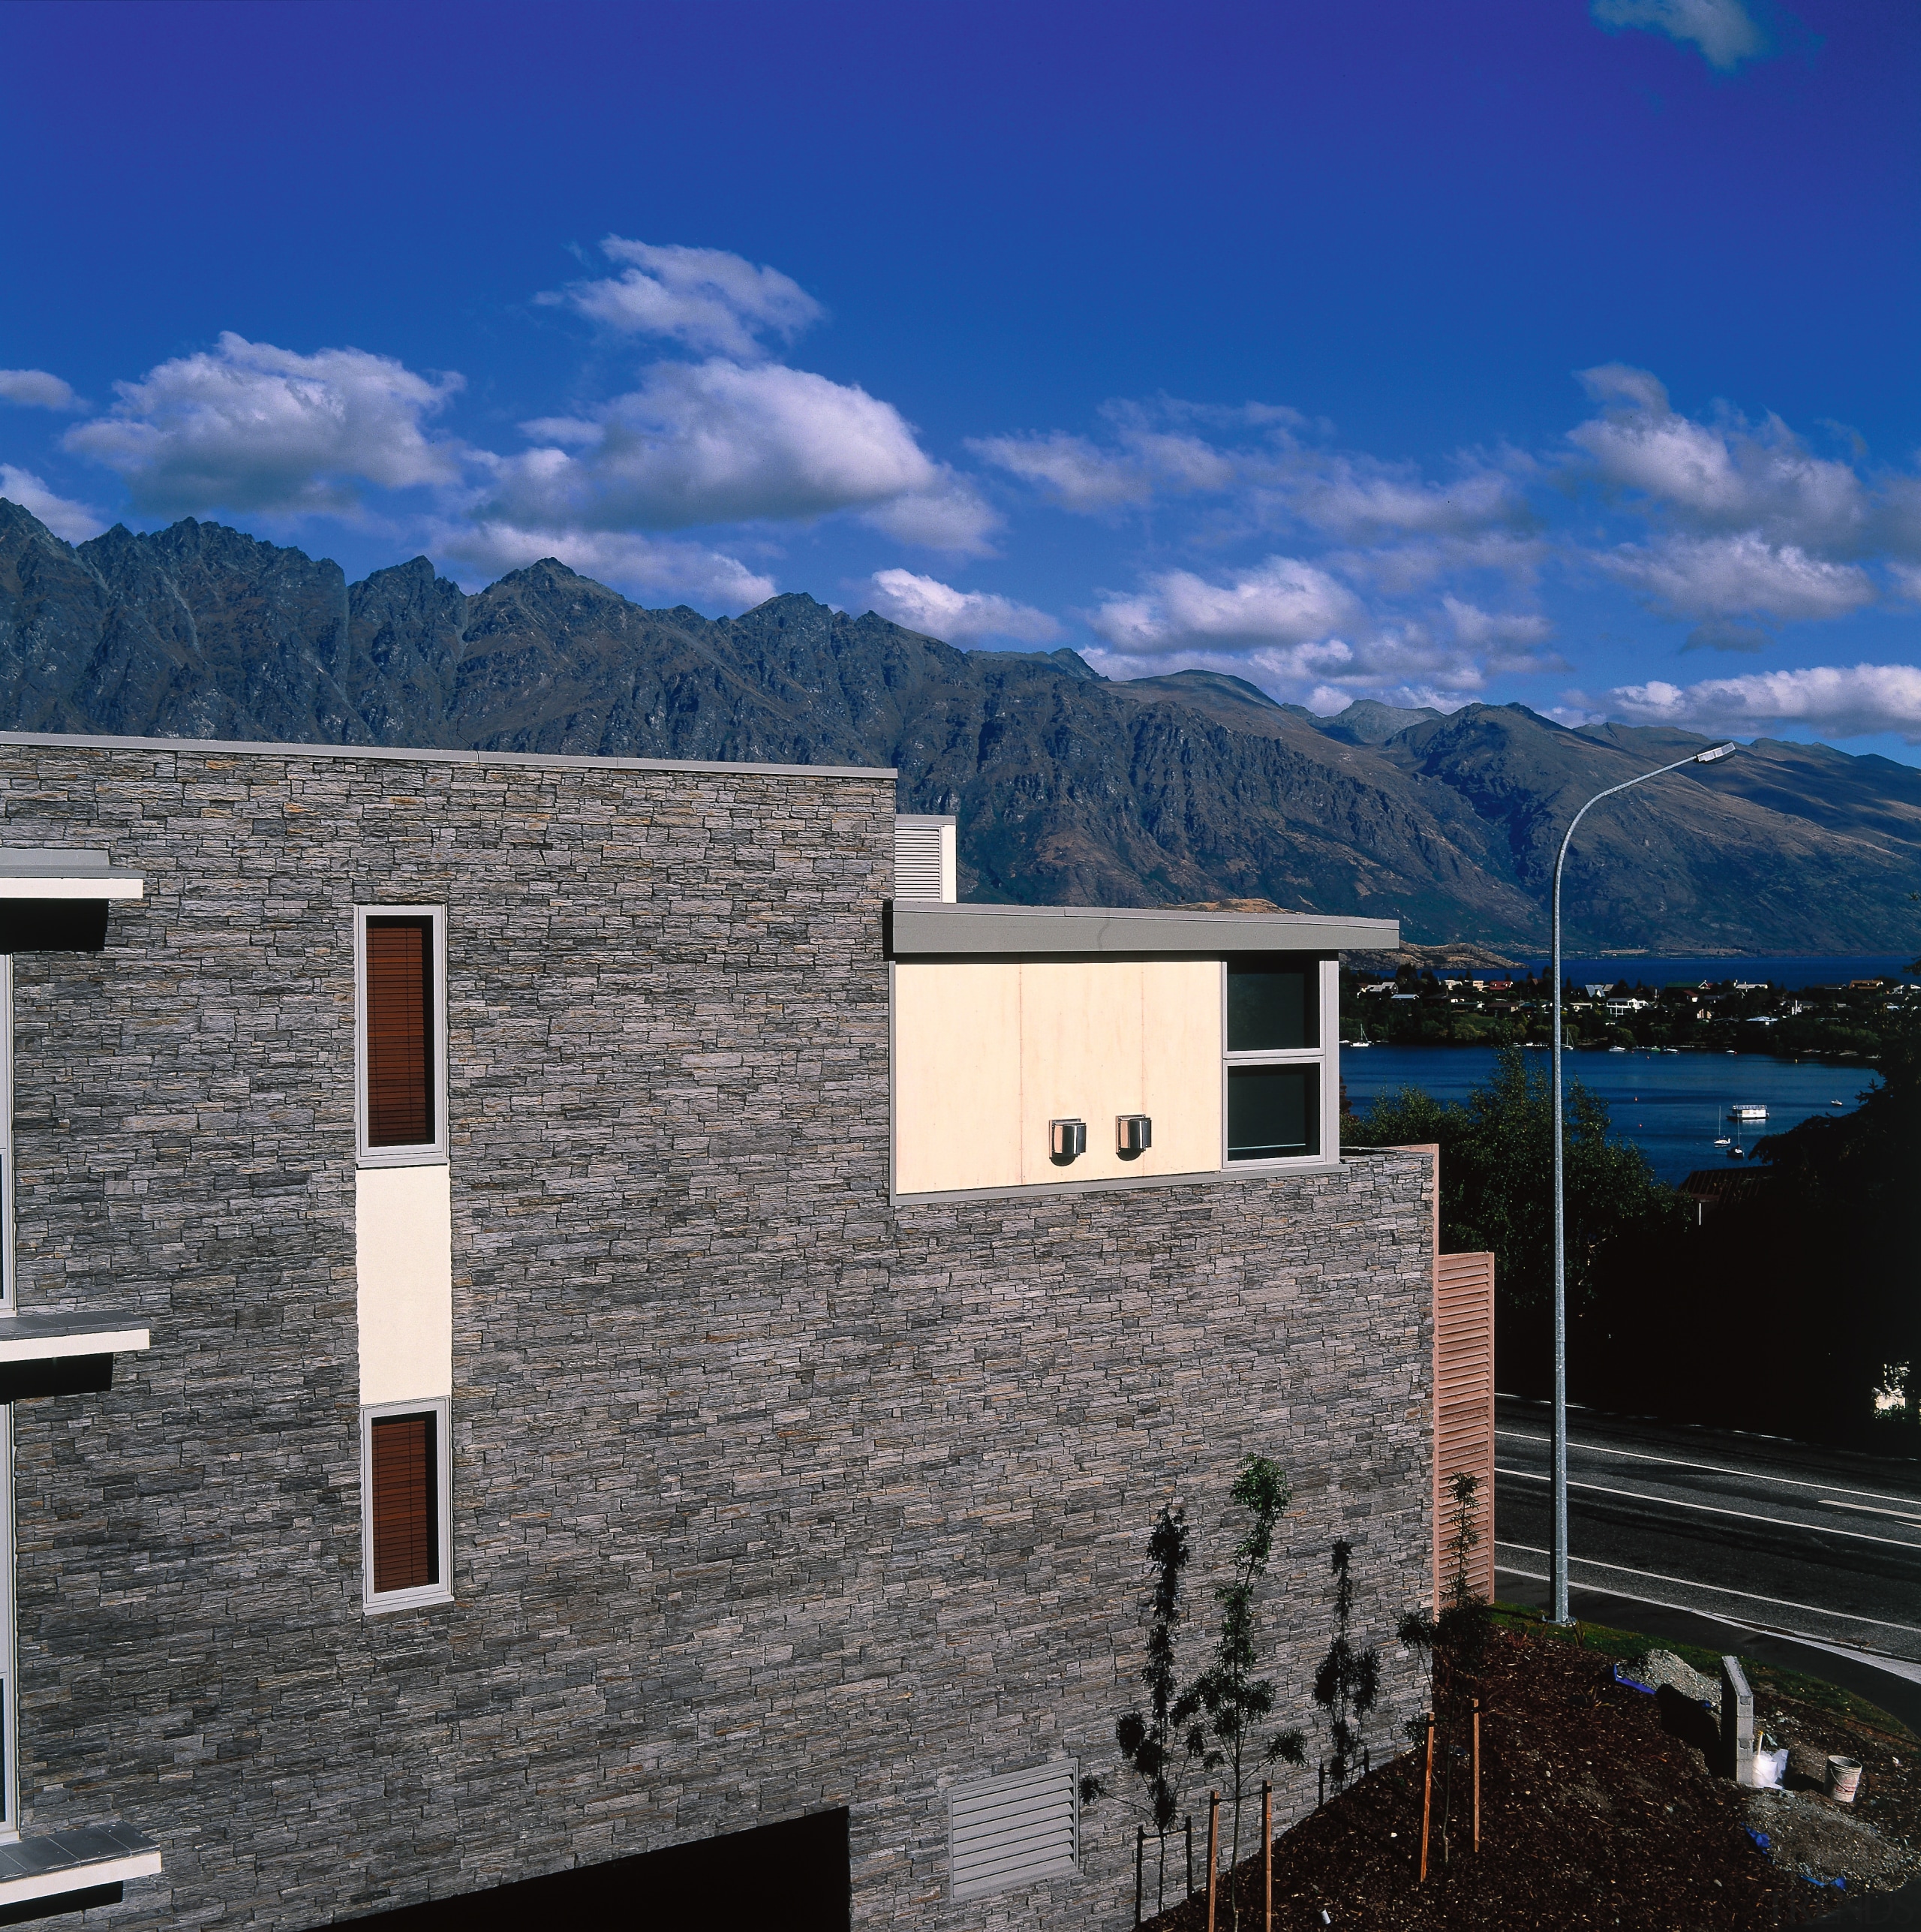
x,y
406,1539
400,1032
1464,1410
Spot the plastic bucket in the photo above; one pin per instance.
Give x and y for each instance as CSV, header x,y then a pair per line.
x,y
1844,1778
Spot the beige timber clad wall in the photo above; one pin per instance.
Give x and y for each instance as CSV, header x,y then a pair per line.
x,y
987,1051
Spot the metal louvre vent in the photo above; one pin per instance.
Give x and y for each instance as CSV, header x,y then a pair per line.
x,y
1012,1830
917,860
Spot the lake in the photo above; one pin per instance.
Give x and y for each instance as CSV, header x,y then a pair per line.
x,y
1667,1103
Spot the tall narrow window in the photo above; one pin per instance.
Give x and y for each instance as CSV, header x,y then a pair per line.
x,y
403,1479
7,1303
404,1526
1277,1007
402,1034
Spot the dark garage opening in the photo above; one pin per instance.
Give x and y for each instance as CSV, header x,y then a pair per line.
x,y
793,1875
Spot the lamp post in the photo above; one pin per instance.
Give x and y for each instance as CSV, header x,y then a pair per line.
x,y
1558,1566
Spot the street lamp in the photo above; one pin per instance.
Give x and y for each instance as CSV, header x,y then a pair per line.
x,y
1558,1566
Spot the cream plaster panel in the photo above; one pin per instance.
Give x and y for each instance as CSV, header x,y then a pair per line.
x,y
1080,1059
957,1076
403,1256
1181,1051
987,1052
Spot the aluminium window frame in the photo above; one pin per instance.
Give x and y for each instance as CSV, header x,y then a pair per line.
x,y
426,1154
9,1293
421,1596
1326,1056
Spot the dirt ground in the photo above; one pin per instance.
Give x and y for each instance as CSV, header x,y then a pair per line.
x,y
1598,1809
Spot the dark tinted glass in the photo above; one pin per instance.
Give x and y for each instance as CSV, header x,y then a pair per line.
x,y
1272,1005
1273,1112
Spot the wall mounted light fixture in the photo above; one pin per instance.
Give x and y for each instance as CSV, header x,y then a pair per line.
x,y
1133,1133
1067,1140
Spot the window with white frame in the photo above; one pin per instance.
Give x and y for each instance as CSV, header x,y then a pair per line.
x,y
400,979
1278,1009
406,1549
7,1303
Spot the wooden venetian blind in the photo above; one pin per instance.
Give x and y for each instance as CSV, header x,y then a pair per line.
x,y
406,1553
1464,1410
400,1032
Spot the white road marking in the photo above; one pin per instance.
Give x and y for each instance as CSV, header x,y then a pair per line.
x,y
1863,1510
1714,1510
1716,1468
1721,1589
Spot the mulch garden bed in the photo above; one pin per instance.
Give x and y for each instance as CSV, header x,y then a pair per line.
x,y
1598,1808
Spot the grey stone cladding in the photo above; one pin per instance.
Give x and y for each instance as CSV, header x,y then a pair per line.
x,y
768,1495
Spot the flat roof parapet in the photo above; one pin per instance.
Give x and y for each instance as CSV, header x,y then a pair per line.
x,y
926,930
550,760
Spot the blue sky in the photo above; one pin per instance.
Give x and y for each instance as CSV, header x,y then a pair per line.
x,y
1562,350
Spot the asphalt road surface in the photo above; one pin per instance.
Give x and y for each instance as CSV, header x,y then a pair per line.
x,y
1808,1544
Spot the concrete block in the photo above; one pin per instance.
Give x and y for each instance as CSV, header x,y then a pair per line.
x,y
1737,1722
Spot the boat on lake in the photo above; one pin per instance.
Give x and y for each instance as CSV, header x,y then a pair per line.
x,y
1750,1110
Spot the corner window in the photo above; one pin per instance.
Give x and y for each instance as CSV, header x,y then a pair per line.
x,y
400,957
404,1507
1275,1102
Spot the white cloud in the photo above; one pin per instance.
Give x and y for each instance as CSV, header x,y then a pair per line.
x,y
250,426
646,568
74,521
1729,474
714,442
715,302
951,516
1283,601
1356,499
1743,575
1724,31
939,610
1075,473
1475,626
35,389
1832,701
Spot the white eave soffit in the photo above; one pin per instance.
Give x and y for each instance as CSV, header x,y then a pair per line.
x,y
54,872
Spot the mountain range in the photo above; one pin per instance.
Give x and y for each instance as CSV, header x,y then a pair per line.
x,y
1070,788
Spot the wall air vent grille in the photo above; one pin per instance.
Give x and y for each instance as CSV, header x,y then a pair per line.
x,y
924,859
1014,1830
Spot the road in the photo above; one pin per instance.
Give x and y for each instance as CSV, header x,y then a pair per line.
x,y
1810,1544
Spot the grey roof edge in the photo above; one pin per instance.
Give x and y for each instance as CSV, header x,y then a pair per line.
x,y
540,760
54,1324
925,818
927,930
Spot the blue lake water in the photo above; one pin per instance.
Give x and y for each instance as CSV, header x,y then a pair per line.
x,y
1668,1103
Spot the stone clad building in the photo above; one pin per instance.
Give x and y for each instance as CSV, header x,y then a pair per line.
x,y
552,1315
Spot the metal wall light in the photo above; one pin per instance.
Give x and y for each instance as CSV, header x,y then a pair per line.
x,y
1067,1140
1133,1133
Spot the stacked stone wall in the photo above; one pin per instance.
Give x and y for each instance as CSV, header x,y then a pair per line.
x,y
768,1495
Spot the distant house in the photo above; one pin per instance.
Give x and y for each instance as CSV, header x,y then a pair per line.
x,y
1710,1188
1625,1004
582,1321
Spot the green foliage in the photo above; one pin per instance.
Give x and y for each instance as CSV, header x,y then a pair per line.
x,y
1231,1701
1345,1685
1149,1744
1497,1168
